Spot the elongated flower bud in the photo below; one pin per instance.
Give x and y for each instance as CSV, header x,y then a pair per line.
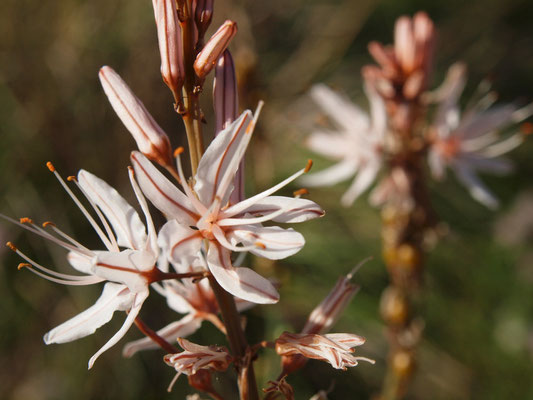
x,y
203,15
225,95
170,44
215,46
152,141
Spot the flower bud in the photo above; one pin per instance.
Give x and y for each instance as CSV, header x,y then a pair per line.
x,y
203,15
170,44
152,141
225,94
215,46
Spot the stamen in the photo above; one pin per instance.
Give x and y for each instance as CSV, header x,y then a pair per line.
x,y
178,151
300,192
169,389
23,265
152,234
48,223
243,205
308,166
26,220
11,246
200,208
358,267
91,220
221,238
67,237
260,245
104,222
90,280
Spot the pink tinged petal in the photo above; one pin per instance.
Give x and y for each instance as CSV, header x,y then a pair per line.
x,y
125,221
332,175
436,164
222,158
114,297
130,267
330,144
343,112
449,93
203,15
272,242
378,114
161,192
480,123
151,139
182,328
80,262
367,174
404,44
138,301
296,210
349,340
213,49
240,282
475,187
179,242
170,44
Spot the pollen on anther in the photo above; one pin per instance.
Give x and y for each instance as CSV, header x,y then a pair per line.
x,y
23,265
526,128
71,178
308,166
300,192
11,246
260,245
48,223
25,220
50,166
178,151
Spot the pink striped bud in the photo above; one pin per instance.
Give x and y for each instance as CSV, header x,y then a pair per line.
x,y
152,141
215,46
203,15
170,45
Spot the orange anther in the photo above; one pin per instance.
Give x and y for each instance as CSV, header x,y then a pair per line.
x,y
48,223
71,178
300,192
178,151
526,128
11,246
50,166
308,166
23,265
25,220
260,245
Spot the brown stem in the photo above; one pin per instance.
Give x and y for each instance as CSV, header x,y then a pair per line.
x,y
405,224
155,337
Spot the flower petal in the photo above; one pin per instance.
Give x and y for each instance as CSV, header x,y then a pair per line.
x,y
124,219
330,144
182,328
332,175
126,267
114,297
298,210
240,282
162,193
362,181
80,262
273,242
229,144
476,188
342,111
179,242
138,301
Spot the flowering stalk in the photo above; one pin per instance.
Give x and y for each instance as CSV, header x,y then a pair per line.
x,y
192,117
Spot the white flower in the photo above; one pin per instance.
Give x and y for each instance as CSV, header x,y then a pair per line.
x,y
469,142
128,272
356,145
207,214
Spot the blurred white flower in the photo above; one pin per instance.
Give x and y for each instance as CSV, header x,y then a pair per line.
x,y
356,145
468,142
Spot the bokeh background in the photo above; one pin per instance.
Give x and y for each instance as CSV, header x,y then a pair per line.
x,y
479,285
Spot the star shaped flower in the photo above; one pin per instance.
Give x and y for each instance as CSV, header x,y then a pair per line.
x,y
203,213
468,142
128,272
356,145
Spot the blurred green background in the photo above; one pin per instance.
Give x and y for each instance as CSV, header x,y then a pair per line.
x,y
479,284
